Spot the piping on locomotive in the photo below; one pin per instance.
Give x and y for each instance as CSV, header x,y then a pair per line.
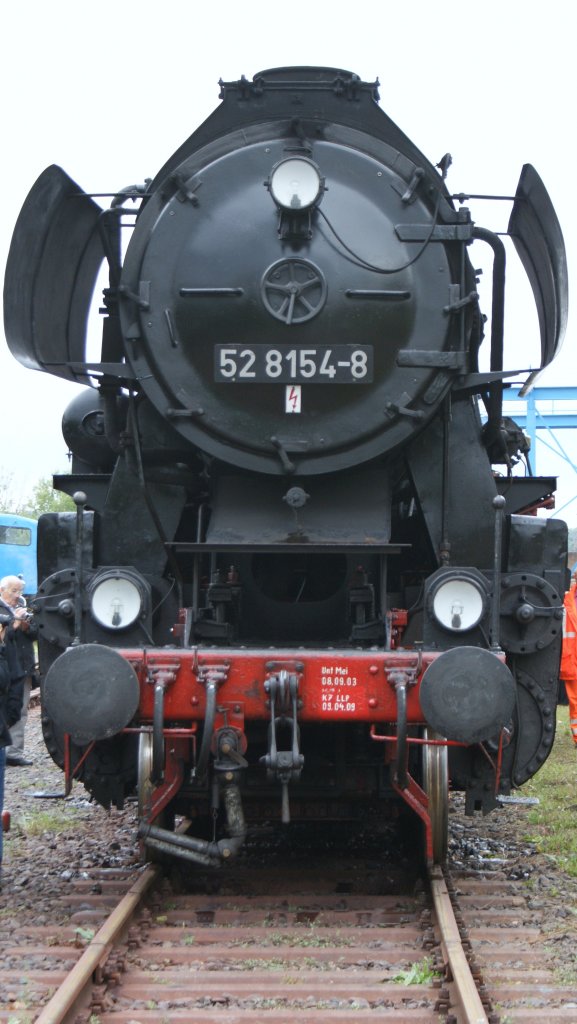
x,y
302,581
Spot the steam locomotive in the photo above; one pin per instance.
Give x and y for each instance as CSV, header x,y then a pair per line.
x,y
302,580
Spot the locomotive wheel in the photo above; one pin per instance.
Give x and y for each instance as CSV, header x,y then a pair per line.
x,y
145,788
436,786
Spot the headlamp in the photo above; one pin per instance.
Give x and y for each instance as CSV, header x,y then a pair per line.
x,y
458,603
295,184
117,599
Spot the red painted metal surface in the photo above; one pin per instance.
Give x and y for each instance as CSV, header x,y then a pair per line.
x,y
343,685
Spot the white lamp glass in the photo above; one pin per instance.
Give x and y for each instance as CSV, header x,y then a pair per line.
x,y
458,605
116,602
295,184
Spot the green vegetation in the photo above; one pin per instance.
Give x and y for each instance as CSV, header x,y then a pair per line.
x,y
553,819
419,973
43,498
35,820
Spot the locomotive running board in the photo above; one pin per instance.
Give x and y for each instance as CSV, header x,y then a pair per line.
x,y
536,234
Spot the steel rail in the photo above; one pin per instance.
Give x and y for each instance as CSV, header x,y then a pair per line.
x,y
67,996
472,1009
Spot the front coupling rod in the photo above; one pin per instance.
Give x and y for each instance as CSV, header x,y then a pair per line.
x,y
284,765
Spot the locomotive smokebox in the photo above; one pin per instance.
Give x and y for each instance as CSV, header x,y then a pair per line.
x,y
90,692
467,695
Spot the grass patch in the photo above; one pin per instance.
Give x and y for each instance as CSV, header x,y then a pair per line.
x,y
552,821
36,820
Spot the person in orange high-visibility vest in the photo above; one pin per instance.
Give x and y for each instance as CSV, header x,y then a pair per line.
x,y
568,671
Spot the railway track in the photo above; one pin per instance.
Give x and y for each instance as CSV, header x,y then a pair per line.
x,y
348,941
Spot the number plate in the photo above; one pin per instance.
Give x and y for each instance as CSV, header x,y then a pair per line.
x,y
262,364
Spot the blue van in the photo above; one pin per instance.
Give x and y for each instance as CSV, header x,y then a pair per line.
x,y
18,537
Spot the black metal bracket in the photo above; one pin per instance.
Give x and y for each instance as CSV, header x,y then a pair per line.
x,y
284,765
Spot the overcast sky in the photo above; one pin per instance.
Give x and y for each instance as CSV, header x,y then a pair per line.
x,y
109,90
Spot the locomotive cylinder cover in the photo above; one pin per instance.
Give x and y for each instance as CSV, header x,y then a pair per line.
x,y
303,339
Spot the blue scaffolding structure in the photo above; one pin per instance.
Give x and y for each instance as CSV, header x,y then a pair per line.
x,y
546,410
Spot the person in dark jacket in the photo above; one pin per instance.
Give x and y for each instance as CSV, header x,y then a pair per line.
x,y
11,687
24,631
